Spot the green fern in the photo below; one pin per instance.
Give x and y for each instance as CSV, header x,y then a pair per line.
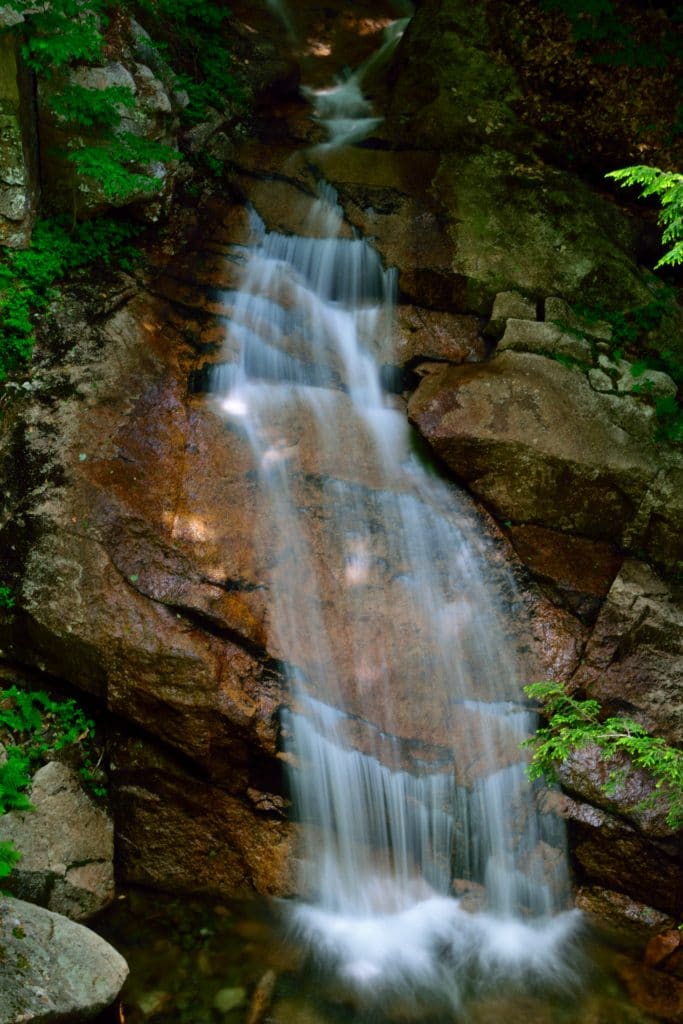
x,y
572,724
9,856
79,105
667,186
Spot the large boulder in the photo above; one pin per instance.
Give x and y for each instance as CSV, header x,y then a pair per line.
x,y
66,844
53,969
538,445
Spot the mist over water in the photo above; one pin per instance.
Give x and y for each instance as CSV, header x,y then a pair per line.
x,y
406,717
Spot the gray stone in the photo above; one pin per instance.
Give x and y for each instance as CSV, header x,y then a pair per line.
x,y
559,311
104,77
513,304
651,383
10,17
600,381
605,363
52,969
631,414
18,177
544,339
151,92
67,846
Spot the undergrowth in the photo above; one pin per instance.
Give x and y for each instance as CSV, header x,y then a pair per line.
x,y
630,330
28,277
571,724
34,729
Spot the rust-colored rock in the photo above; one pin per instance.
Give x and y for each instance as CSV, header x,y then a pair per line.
x,y
628,916
578,571
653,991
660,947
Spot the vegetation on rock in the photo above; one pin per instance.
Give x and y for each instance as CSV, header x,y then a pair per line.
x,y
571,724
34,728
28,277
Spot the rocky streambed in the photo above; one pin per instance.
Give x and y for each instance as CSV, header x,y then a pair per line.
x,y
129,521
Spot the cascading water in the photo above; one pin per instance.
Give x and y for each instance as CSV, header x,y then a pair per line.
x,y
405,723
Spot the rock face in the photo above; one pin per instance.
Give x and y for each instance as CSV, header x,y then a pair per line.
x,y
67,846
132,507
633,662
538,445
153,119
18,146
53,969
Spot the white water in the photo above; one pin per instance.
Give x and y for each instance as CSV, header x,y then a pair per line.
x,y
405,721
342,108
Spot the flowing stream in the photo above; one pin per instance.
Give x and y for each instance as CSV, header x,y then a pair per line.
x,y
406,721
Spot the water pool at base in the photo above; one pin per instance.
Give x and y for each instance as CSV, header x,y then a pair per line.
x,y
200,961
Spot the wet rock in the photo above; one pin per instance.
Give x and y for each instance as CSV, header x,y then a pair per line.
x,y
632,663
579,572
53,969
180,833
637,920
660,947
383,195
611,854
653,991
535,443
613,783
426,335
67,846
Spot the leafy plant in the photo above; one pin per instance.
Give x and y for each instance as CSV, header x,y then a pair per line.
x,y
572,724
6,597
33,728
9,856
79,105
60,35
28,277
196,45
60,32
667,187
111,166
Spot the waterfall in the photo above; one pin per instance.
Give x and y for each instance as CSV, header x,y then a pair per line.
x,y
405,719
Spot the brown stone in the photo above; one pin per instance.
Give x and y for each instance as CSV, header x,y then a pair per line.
x,y
580,571
633,661
653,991
660,947
424,334
630,917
